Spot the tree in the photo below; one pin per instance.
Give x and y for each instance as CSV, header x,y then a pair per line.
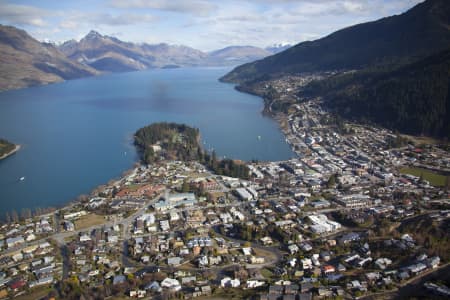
x,y
421,177
332,181
7,218
14,216
185,187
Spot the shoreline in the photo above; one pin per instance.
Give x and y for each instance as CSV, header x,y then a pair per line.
x,y
16,148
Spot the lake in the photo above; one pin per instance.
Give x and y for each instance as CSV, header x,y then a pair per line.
x,y
78,134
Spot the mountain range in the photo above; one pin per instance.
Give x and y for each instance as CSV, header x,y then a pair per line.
x,y
423,30
24,61
109,54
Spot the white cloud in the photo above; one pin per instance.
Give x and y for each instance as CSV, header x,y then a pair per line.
x,y
75,19
120,20
23,14
194,7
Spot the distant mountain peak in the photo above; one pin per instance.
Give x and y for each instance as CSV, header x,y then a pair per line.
x,y
25,61
276,48
93,34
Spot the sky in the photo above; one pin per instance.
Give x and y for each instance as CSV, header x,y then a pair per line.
x,y
202,24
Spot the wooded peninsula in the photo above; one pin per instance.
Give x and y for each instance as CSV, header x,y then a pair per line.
x,y
171,141
7,148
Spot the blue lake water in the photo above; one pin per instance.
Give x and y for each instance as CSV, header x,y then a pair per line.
x,y
78,134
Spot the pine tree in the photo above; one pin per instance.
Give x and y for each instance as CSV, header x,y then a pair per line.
x,y
185,186
14,216
7,218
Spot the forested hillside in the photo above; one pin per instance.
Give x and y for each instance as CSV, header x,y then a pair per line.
x,y
180,142
413,98
167,140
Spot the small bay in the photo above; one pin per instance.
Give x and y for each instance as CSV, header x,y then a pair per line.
x,y
78,134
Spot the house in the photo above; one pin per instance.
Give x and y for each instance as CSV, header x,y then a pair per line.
x,y
118,279
276,289
382,263
174,216
14,241
321,224
17,257
320,203
306,287
228,282
291,289
348,238
69,226
417,268
171,284
433,262
42,281
266,241
153,286
174,261
251,284
202,261
293,248
30,237
324,292
206,290
306,263
306,246
247,251
85,238
74,215
355,201
325,255
141,293
363,261
243,194
170,201
215,260
188,279
341,268
17,284
328,269
373,276
257,260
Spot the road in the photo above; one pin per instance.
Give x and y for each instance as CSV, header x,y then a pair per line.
x,y
413,280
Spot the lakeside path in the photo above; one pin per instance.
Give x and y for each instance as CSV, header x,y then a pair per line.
x,y
16,148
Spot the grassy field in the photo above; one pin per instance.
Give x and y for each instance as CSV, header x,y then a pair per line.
x,y
418,140
230,293
266,273
88,221
37,293
433,178
268,255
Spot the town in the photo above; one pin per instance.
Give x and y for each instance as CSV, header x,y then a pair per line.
x,y
360,212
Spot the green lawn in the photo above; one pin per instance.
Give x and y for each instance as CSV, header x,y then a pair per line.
x,y
433,178
266,273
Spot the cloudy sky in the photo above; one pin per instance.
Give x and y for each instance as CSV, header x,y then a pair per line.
x,y
202,24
